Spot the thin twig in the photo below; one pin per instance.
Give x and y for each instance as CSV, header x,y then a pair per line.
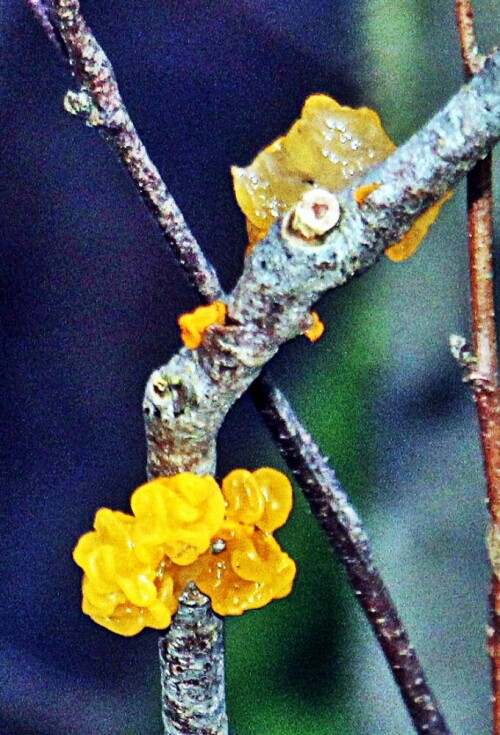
x,y
100,102
472,59
343,528
483,374
42,14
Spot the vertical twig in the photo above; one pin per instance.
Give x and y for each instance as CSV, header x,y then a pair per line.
x,y
473,61
483,374
344,530
42,13
192,669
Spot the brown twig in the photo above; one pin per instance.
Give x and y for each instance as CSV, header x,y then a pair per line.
x,y
100,102
472,59
483,373
43,16
484,381
345,533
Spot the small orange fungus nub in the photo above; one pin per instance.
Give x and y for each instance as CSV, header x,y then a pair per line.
x,y
194,324
316,330
410,242
185,528
362,192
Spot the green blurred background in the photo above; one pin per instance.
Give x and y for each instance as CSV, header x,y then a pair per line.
x,y
89,307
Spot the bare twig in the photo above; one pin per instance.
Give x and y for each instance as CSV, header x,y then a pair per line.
x,y
472,59
483,373
43,15
345,533
100,102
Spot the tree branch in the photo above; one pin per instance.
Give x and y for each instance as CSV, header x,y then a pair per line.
x,y
192,669
187,399
345,533
96,104
472,59
43,15
100,102
483,370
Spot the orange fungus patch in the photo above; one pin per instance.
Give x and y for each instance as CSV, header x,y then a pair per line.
x,y
194,324
316,330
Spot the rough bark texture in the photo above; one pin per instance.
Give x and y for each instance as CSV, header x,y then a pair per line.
x,y
192,670
285,275
343,528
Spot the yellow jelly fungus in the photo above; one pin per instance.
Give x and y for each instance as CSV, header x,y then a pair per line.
x,y
248,574
244,499
331,146
180,514
317,328
119,591
277,491
362,192
185,528
194,324
410,242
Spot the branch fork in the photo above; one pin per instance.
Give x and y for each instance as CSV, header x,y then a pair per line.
x,y
186,400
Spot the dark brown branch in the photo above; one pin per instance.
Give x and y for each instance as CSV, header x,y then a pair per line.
x,y
483,373
343,528
43,15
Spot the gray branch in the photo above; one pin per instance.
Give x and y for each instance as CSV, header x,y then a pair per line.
x,y
187,399
176,392
192,669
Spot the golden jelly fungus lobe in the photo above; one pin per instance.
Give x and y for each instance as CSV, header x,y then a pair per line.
x,y
410,242
119,591
244,499
178,514
194,324
317,328
248,574
365,190
185,528
331,147
263,498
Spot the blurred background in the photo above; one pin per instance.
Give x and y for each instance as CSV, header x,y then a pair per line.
x,y
90,299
